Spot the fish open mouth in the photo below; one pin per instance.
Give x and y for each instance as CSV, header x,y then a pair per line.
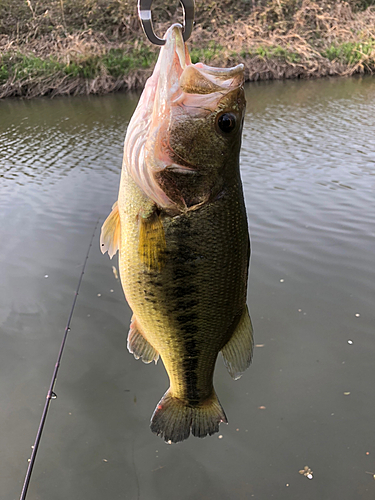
x,y
175,82
178,74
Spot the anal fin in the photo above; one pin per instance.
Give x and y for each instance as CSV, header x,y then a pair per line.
x,y
139,346
238,351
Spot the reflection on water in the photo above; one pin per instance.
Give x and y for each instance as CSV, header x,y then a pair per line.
x,y
43,138
308,167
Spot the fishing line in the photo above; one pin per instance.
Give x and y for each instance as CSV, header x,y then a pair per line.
x,y
50,393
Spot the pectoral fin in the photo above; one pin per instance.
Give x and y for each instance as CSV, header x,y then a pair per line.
x,y
152,242
139,346
238,351
111,231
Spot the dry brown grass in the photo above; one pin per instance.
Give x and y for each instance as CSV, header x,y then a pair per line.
x,y
308,35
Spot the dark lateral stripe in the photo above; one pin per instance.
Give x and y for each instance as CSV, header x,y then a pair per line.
x,y
182,272
189,317
186,296
183,291
186,320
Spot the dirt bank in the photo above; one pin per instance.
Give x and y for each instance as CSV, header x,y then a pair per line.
x,y
56,47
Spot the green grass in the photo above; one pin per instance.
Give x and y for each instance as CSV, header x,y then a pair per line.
x,y
4,74
115,62
205,54
118,62
272,52
350,52
22,67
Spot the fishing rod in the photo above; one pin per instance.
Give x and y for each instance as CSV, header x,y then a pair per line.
x,y
50,393
144,12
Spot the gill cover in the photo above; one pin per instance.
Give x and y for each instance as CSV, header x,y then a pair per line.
x,y
176,85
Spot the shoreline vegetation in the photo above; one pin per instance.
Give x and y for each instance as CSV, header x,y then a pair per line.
x,y
70,47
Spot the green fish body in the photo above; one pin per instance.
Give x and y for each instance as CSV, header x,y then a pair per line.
x,y
181,229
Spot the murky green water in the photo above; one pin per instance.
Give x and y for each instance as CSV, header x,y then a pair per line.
x,y
308,166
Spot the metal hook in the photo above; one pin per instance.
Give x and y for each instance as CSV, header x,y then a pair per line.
x,y
144,12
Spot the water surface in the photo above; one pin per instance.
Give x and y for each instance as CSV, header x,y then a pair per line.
x,y
308,168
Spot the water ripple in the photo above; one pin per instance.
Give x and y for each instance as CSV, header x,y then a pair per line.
x,y
57,136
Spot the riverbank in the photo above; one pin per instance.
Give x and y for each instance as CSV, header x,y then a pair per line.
x,y
57,47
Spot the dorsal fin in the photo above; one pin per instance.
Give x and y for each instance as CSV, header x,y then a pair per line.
x,y
110,234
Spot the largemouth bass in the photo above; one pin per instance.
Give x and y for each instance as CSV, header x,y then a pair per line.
x,y
181,230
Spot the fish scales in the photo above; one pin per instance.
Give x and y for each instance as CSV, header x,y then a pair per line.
x,y
184,249
192,312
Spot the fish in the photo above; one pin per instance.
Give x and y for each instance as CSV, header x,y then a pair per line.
x,y
181,230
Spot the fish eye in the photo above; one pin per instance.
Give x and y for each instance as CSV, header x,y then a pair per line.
x,y
227,122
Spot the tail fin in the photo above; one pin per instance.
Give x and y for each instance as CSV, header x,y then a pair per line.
x,y
173,418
